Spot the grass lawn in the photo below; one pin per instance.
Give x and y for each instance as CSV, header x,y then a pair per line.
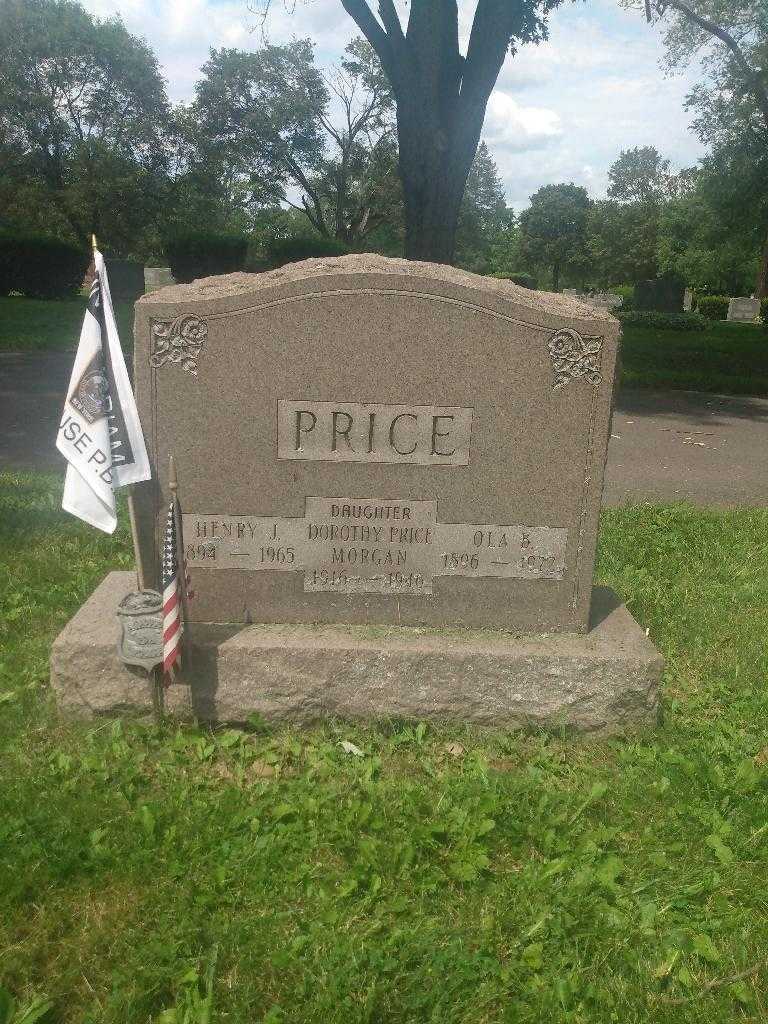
x,y
727,358
27,324
508,878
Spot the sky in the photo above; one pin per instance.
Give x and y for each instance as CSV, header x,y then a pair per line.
x,y
561,111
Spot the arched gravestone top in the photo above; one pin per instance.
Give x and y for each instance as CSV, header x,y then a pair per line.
x,y
368,440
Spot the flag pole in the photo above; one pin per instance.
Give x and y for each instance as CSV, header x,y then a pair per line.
x,y
156,673
141,575
181,568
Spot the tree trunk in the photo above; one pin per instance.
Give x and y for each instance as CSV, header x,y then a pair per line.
x,y
432,198
555,277
436,152
441,99
761,285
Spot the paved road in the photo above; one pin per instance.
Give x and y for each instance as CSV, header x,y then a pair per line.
x,y
665,445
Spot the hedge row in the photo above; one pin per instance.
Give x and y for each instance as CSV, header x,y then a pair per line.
x,y
713,307
663,321
291,250
41,268
193,254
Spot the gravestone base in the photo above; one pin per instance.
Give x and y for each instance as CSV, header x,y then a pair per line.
x,y
605,680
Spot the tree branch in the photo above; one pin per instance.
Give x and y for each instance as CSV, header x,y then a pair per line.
x,y
752,77
391,23
486,50
363,17
318,219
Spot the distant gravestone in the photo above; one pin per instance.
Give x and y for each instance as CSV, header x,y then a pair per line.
x,y
687,300
364,442
661,295
156,278
743,309
602,300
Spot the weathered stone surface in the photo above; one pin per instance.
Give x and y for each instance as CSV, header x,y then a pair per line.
x,y
157,277
602,681
483,402
743,309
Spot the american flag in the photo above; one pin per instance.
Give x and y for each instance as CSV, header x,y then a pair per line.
x,y
173,621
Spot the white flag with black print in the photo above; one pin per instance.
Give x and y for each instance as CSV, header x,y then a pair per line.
x,y
100,434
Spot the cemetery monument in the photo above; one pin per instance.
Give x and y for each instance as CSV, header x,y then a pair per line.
x,y
743,309
390,474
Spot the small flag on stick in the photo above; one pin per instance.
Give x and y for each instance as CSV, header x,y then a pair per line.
x,y
175,583
100,433
173,624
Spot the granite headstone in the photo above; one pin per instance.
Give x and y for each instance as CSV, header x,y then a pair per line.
x,y
157,277
390,474
366,440
743,309
660,295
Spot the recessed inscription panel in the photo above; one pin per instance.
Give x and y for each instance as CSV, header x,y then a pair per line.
x,y
423,435
369,545
373,546
253,543
511,552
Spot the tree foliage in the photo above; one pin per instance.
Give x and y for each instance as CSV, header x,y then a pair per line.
x,y
83,111
641,175
623,241
731,103
553,229
483,216
261,124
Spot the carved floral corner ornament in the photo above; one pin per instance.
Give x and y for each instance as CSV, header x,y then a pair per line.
x,y
178,341
574,355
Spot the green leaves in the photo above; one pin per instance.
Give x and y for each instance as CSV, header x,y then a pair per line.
x,y
194,1002
723,853
34,1012
704,947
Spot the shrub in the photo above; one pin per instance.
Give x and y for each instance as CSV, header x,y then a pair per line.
x,y
126,279
193,254
304,247
663,321
764,312
713,307
41,268
627,293
524,280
